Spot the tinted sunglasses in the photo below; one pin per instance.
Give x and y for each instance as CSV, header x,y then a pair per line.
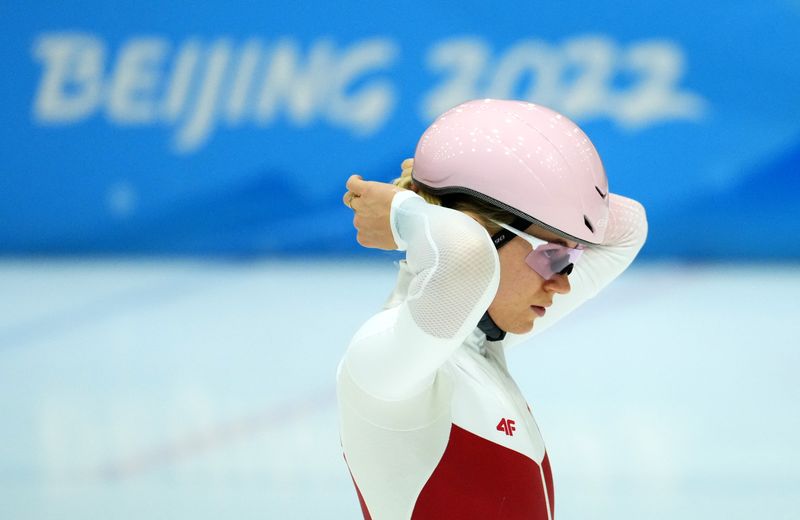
x,y
548,259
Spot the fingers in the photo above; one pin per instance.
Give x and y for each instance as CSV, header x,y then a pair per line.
x,y
407,164
355,187
371,202
348,199
355,184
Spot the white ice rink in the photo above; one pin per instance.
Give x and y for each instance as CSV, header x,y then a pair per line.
x,y
179,390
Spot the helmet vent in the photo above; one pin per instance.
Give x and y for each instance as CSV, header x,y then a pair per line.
x,y
603,195
588,224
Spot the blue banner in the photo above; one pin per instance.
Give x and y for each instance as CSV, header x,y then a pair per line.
x,y
223,129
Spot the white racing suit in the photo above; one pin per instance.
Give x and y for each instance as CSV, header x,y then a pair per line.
x,y
432,424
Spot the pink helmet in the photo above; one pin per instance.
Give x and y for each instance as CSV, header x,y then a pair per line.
x,y
524,158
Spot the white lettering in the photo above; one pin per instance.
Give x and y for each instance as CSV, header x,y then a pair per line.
x,y
193,86
368,108
657,96
132,92
578,79
531,60
594,59
302,92
71,84
466,59
198,126
180,82
241,92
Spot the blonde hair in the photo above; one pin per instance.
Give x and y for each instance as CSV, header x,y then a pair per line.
x,y
484,211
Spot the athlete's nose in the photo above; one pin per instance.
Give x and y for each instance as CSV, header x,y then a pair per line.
x,y
559,284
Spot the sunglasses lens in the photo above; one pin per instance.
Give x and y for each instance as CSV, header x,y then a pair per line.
x,y
551,259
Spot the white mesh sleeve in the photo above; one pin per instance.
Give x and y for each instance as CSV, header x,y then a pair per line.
x,y
599,265
455,276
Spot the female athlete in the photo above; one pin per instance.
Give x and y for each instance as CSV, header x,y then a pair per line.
x,y
508,225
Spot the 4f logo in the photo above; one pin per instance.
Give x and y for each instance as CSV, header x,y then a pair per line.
x,y
506,426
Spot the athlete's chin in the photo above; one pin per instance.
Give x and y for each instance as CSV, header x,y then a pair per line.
x,y
522,327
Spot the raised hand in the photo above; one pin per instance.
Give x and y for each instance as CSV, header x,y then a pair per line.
x,y
371,203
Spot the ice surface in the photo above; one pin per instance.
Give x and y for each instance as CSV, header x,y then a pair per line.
x,y
205,390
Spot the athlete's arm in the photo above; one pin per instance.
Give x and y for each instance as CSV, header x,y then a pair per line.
x,y
598,265
455,272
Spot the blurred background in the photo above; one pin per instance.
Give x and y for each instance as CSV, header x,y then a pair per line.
x,y
179,278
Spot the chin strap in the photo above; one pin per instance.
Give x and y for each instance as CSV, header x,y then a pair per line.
x,y
490,328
